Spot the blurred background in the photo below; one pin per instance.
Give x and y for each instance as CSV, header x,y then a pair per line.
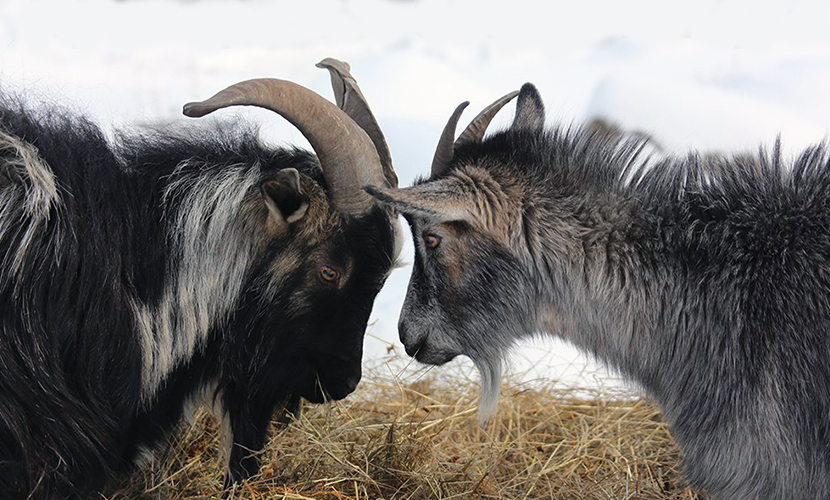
x,y
708,75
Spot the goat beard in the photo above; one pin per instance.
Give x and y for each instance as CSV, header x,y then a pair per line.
x,y
490,371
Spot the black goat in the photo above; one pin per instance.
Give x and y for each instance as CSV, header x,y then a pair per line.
x,y
144,275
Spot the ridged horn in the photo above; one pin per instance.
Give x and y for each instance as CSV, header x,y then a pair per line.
x,y
444,151
476,129
350,99
347,155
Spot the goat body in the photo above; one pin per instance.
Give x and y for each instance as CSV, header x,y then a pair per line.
x,y
705,279
164,269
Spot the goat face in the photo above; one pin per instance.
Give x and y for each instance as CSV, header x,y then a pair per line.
x,y
326,251
470,291
462,296
312,302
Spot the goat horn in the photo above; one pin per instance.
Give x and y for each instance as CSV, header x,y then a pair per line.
x,y
350,99
445,149
475,130
348,157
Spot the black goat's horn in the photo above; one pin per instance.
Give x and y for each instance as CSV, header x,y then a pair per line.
x,y
350,99
348,156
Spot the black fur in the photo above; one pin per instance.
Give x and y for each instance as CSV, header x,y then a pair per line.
x,y
72,413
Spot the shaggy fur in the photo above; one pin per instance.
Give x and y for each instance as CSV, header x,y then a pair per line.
x,y
706,279
147,273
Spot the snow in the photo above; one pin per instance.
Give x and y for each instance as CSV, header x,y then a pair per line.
x,y
712,75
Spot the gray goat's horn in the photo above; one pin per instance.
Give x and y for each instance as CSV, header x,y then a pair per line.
x,y
350,99
475,130
473,133
347,155
444,151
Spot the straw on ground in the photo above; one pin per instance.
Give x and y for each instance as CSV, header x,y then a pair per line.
x,y
421,441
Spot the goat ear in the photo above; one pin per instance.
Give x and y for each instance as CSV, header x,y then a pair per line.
x,y
530,111
284,196
441,201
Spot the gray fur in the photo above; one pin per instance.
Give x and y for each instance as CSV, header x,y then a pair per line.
x,y
705,279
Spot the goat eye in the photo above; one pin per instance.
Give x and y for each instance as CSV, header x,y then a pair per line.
x,y
330,274
431,241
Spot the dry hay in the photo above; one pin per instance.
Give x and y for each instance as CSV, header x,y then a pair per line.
x,y
422,441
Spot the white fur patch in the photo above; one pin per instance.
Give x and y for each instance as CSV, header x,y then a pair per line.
x,y
33,190
212,247
207,397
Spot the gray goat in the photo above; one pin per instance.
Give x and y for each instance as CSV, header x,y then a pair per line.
x,y
705,279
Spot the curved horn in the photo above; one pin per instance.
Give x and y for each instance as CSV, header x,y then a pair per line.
x,y
350,99
347,155
475,130
444,151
